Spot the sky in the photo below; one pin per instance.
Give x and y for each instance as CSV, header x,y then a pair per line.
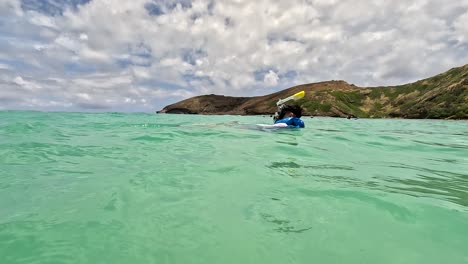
x,y
140,55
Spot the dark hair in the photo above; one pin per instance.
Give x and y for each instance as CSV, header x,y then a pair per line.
x,y
295,109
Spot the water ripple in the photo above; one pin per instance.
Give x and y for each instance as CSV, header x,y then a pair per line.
x,y
142,188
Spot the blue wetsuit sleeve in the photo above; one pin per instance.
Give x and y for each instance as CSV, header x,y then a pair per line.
x,y
292,122
298,123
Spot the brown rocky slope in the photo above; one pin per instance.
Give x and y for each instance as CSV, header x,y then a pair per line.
x,y
442,96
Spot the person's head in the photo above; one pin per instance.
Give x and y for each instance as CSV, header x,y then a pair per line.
x,y
291,111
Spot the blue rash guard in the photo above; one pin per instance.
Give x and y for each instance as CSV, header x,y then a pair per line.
x,y
292,122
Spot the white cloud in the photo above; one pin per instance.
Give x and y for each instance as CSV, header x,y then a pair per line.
x,y
83,37
271,78
27,85
461,28
42,20
108,54
10,7
4,67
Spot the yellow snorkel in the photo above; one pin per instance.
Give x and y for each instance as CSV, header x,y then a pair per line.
x,y
294,97
278,115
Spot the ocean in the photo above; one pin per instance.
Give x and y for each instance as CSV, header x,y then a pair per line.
x,y
147,188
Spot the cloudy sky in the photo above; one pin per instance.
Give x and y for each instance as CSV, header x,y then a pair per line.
x,y
140,55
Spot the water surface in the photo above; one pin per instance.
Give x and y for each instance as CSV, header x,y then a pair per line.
x,y
144,188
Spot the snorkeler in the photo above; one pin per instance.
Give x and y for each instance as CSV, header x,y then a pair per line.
x,y
290,115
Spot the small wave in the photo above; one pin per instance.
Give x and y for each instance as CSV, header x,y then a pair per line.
x,y
445,145
152,138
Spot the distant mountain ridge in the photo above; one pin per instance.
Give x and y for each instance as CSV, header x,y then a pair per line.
x,y
444,96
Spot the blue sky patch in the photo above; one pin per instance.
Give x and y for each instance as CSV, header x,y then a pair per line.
x,y
158,7
18,65
191,77
79,68
260,74
51,7
191,56
289,75
154,9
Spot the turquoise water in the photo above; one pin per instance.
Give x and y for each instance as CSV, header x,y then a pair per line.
x,y
145,188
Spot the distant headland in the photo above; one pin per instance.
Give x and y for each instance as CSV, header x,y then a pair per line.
x,y
444,96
